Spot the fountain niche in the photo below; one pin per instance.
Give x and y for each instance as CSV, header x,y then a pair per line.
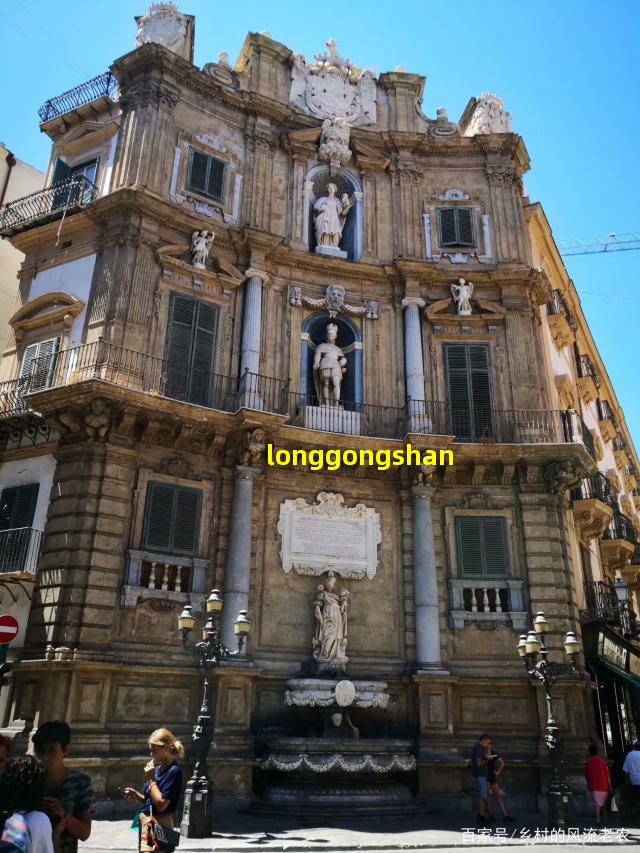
x,y
344,764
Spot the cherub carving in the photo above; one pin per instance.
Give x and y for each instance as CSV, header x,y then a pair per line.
x,y
97,419
255,445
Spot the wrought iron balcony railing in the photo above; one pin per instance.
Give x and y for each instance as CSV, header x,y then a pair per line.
x,y
595,487
586,368
602,605
604,411
619,443
141,372
19,550
103,86
71,194
621,528
557,305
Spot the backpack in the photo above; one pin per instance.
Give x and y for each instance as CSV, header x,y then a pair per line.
x,y
16,837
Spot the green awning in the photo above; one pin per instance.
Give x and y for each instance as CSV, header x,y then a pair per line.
x,y
599,663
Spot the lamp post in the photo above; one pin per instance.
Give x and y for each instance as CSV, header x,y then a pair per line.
x,y
534,653
198,796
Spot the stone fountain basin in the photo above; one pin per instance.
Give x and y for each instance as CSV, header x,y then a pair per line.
x,y
328,754
325,693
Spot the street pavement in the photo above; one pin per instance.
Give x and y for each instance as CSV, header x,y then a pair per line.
x,y
432,831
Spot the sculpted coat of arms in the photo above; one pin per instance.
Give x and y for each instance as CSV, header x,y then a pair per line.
x,y
333,88
163,24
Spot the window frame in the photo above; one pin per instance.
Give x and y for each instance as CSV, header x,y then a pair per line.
x,y
172,550
457,244
483,575
199,192
55,351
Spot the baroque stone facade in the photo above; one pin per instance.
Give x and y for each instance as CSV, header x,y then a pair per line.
x,y
150,366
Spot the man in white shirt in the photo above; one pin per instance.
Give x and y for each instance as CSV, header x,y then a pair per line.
x,y
631,767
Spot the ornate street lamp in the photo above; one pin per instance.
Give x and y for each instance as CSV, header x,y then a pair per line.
x,y
198,796
533,651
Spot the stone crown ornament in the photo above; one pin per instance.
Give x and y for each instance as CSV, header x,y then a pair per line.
x,y
163,24
488,116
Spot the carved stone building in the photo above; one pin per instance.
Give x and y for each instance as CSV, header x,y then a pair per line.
x,y
149,366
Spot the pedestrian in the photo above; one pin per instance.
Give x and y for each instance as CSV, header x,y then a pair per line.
x,y
481,755
5,749
631,767
68,796
23,823
494,769
162,787
599,784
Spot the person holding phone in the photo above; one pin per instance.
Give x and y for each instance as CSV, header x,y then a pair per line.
x,y
163,783
481,755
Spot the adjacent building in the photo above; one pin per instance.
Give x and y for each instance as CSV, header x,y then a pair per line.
x,y
201,234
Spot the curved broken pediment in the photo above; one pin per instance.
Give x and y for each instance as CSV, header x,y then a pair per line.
x,y
45,310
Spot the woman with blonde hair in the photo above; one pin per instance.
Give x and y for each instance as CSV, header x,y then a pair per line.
x,y
163,783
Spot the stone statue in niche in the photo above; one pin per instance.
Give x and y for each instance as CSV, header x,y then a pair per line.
x,y
329,366
330,214
201,242
330,638
462,293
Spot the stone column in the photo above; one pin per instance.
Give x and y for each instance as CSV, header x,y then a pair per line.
x,y
414,365
251,339
237,571
425,586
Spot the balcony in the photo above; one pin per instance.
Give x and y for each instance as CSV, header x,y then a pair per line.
x,y
602,607
83,100
486,600
19,425
636,499
561,321
606,420
593,506
20,551
618,542
630,478
588,381
68,196
151,375
164,577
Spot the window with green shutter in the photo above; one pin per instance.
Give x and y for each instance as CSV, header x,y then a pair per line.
x,y
190,350
18,506
171,519
469,395
481,545
38,364
455,226
206,175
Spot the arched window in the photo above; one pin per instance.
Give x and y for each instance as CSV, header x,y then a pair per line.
x,y
319,178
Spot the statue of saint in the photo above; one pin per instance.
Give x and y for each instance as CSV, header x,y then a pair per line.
x,y
462,293
329,217
201,242
329,365
330,639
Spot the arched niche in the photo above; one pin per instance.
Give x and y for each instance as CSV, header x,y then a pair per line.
x,y
350,342
346,182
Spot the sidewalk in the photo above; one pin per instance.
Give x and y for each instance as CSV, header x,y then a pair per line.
x,y
431,831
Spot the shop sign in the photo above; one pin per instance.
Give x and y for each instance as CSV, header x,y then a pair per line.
x,y
612,652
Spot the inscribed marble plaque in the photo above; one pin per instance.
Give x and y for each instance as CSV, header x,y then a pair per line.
x,y
328,535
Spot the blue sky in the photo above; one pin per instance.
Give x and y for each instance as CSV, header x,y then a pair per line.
x,y
567,71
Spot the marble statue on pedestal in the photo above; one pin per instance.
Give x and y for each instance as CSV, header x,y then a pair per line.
x,y
462,293
329,217
201,242
330,639
329,366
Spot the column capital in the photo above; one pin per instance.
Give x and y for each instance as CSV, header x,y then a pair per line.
x,y
423,492
246,472
254,273
413,300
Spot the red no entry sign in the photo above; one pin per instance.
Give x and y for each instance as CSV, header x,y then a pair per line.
x,y
8,629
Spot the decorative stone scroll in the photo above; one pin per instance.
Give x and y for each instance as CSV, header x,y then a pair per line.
x,y
327,535
327,762
333,302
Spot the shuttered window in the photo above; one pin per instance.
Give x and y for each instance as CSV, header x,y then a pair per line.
x,y
481,544
38,364
456,226
190,350
171,519
206,175
469,391
18,506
